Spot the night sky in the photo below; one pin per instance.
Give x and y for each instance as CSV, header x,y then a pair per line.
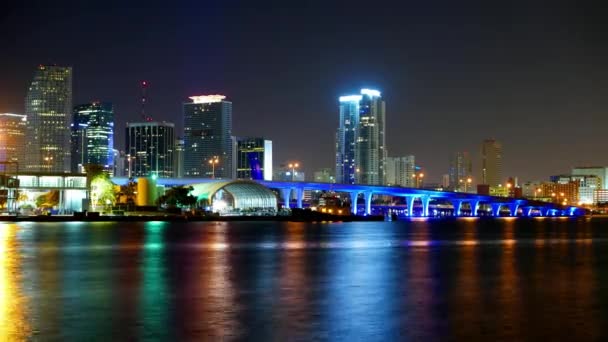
x,y
532,75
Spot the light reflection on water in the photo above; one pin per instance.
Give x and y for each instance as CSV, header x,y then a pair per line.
x,y
420,279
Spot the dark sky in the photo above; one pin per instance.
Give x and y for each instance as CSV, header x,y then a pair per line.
x,y
532,75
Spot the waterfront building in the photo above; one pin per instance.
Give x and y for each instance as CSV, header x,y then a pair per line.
x,y
491,162
12,138
253,158
208,143
48,107
400,171
325,175
565,193
149,149
285,173
119,163
92,136
461,172
360,139
601,172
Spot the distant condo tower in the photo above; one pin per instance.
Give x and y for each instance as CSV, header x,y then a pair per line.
x,y
92,132
208,147
48,107
491,162
360,139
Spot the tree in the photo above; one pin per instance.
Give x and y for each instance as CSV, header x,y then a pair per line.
x,y
178,197
102,191
48,200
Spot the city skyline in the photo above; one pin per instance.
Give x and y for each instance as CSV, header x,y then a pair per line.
x,y
457,82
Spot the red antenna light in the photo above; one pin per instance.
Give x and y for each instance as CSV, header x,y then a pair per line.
x,y
144,85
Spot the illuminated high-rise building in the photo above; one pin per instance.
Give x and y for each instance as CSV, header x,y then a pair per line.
x,y
461,172
178,158
253,158
400,171
12,138
48,106
208,143
491,162
92,136
360,139
149,149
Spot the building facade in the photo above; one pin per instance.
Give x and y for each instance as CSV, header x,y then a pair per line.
x,y
149,149
12,139
400,171
601,172
208,144
461,172
491,162
253,158
48,107
325,175
178,158
92,136
360,139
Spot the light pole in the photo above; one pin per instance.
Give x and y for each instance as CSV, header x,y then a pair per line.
x,y
213,162
468,184
418,178
293,167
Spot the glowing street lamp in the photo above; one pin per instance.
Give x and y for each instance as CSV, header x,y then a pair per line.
x,y
213,162
293,167
418,178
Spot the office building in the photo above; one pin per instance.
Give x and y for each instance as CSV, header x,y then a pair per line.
x,y
360,139
48,107
149,149
92,136
400,171
178,158
253,158
461,172
325,175
289,172
601,172
208,143
491,162
120,168
12,139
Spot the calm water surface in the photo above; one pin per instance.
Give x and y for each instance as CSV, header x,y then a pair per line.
x,y
465,279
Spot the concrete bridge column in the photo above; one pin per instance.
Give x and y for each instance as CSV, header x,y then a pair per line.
x,y
299,197
572,211
426,200
368,202
457,206
474,207
286,194
353,202
528,211
496,209
409,201
513,208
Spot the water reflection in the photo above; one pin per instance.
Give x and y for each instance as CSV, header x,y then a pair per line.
x,y
14,322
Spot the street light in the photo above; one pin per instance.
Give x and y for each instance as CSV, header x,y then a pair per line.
x,y
293,167
213,162
418,178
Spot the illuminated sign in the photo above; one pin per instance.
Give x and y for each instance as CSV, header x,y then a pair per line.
x,y
207,98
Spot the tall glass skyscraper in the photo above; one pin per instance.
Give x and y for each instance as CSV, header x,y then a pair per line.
x,y
12,138
92,136
149,149
254,158
491,162
461,170
360,140
208,137
48,106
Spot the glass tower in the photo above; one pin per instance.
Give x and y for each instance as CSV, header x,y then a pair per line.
x,y
491,162
12,138
92,136
208,146
48,107
149,149
254,158
360,139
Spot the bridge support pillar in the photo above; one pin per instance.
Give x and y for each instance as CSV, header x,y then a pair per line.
x,y
513,208
426,200
572,211
409,201
286,193
528,211
474,207
457,204
353,202
368,202
299,197
496,209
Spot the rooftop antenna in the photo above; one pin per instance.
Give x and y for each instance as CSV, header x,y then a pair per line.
x,y
144,86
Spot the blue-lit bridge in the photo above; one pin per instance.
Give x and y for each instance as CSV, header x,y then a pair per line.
x,y
491,205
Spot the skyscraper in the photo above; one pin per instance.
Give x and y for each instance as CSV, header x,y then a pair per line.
x,y
48,106
92,136
400,171
178,158
12,138
491,162
149,149
461,170
360,139
207,137
254,158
